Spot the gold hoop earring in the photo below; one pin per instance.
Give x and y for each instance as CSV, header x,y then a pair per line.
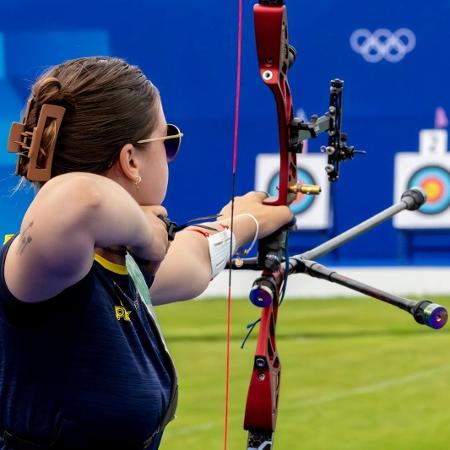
x,y
137,181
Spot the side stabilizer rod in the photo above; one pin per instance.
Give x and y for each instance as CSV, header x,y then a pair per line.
x,y
424,312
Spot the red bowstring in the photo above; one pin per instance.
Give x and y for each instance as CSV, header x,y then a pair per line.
x,y
233,191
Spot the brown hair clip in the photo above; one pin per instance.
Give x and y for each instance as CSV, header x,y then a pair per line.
x,y
27,144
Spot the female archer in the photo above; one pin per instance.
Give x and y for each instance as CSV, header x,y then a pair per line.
x,y
83,364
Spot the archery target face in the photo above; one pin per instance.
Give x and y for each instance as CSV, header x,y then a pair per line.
x,y
432,174
435,181
312,212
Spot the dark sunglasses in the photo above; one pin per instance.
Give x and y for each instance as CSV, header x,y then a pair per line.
x,y
172,141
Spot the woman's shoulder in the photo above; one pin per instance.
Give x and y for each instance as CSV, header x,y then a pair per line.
x,y
11,306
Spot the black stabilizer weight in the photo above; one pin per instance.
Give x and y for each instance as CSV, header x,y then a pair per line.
x,y
430,314
414,198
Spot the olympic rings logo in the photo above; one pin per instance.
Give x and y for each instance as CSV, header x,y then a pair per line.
x,y
383,44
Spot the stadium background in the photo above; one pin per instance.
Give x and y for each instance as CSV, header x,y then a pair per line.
x,y
188,49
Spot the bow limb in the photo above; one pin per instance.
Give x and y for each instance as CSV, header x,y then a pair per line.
x,y
275,56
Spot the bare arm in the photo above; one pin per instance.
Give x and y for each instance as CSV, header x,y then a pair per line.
x,y
69,217
186,270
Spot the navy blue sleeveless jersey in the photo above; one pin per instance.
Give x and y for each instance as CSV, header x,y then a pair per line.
x,y
85,369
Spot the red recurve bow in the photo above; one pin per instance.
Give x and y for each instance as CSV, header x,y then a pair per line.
x,y
275,57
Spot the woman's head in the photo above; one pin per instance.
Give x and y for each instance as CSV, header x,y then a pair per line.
x,y
109,104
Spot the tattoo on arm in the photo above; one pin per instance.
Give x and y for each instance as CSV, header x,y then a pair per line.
x,y
25,238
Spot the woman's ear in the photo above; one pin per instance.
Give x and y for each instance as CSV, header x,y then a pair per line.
x,y
128,162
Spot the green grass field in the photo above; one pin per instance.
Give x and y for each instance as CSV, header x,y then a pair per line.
x,y
357,374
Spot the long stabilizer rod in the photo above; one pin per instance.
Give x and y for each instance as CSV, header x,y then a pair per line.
x,y
412,199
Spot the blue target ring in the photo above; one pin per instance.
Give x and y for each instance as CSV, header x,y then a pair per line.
x,y
303,202
435,181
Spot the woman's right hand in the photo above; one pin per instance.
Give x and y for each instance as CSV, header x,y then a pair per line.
x,y
158,246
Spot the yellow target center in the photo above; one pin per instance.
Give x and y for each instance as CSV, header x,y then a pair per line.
x,y
433,189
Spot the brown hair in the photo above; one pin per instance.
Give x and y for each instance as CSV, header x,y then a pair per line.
x,y
108,103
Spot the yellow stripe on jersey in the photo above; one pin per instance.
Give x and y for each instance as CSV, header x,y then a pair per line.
x,y
109,265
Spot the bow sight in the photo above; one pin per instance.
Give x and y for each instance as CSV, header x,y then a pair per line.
x,y
337,148
299,130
